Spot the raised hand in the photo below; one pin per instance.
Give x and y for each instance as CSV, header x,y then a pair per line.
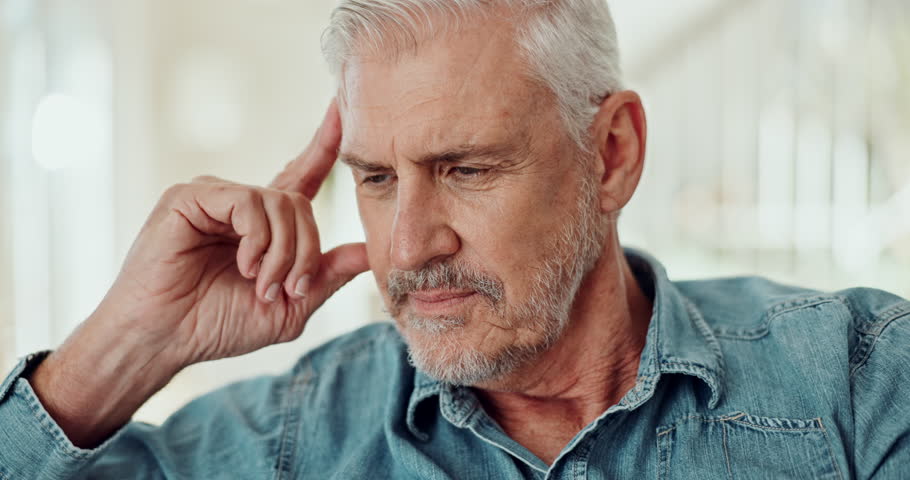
x,y
229,268
219,269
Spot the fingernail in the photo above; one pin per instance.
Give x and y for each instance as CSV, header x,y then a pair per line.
x,y
302,285
272,293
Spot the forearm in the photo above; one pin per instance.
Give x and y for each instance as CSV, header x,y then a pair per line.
x,y
94,383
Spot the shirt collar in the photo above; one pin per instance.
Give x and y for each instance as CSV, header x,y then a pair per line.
x,y
678,340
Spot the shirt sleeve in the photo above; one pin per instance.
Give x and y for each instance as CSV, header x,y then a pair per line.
x,y
881,405
233,432
32,445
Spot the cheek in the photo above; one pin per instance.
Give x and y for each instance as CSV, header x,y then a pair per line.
x,y
509,236
377,224
501,237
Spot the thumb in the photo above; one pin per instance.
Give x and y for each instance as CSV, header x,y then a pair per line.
x,y
338,267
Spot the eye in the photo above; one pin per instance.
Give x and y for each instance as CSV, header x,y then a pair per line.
x,y
377,179
467,171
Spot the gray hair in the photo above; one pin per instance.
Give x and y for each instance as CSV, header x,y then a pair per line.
x,y
569,45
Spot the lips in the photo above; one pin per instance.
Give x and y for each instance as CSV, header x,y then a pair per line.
x,y
434,296
436,302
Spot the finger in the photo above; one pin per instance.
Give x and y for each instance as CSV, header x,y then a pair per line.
x,y
232,210
223,229
308,171
208,179
338,266
279,258
308,254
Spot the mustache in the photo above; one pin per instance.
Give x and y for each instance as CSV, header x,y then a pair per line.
x,y
448,275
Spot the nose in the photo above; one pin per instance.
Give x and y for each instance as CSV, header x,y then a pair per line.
x,y
421,233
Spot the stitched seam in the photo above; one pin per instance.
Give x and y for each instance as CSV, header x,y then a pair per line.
x,y
793,304
750,334
776,429
473,412
735,418
290,417
634,399
39,414
714,384
857,357
698,320
674,425
830,452
867,342
871,346
723,427
505,448
579,468
790,305
686,363
661,455
775,311
454,403
284,431
861,316
875,325
903,307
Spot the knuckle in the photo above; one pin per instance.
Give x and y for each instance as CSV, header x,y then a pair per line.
x,y
173,192
283,202
306,262
259,238
301,202
205,179
248,194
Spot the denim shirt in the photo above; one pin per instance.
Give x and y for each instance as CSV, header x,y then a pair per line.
x,y
739,378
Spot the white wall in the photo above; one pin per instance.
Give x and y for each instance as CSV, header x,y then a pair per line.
x,y
235,95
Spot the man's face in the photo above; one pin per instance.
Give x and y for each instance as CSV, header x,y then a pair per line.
x,y
480,222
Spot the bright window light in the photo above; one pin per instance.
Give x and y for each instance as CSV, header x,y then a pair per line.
x,y
66,132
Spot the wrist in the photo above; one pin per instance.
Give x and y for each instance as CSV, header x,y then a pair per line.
x,y
98,378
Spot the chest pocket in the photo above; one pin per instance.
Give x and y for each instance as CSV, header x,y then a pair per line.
x,y
743,446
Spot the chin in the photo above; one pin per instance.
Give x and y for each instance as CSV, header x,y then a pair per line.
x,y
448,357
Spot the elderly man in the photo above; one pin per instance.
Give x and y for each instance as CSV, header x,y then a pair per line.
x,y
493,148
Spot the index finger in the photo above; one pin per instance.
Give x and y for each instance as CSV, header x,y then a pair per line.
x,y
306,173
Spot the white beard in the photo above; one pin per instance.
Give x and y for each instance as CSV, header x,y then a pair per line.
x,y
437,345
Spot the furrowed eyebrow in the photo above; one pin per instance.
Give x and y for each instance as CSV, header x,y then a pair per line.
x,y
358,163
496,152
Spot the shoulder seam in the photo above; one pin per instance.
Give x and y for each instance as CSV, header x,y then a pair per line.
x,y
762,328
870,337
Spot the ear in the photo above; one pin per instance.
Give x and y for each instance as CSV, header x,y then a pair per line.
x,y
619,133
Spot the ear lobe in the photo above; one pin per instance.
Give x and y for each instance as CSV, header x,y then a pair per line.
x,y
620,135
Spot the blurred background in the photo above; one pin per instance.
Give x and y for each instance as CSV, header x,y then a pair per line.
x,y
779,143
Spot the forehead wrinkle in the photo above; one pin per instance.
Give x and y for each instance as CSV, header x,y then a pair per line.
x,y
435,135
496,151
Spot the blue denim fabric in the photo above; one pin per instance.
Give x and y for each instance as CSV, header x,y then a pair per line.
x,y
739,378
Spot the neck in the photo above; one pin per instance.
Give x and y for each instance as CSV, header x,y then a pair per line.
x,y
595,362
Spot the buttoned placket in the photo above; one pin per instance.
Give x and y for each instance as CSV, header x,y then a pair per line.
x,y
462,409
672,317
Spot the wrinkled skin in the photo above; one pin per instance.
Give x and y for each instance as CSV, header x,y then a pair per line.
x,y
496,212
